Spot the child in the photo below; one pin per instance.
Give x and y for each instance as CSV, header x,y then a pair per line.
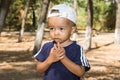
x,y
62,58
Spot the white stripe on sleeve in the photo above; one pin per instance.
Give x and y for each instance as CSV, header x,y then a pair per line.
x,y
83,58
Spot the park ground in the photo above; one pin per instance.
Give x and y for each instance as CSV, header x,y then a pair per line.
x,y
17,62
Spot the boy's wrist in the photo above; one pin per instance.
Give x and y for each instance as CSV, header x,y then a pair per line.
x,y
49,61
64,57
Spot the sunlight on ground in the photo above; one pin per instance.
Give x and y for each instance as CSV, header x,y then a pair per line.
x,y
17,62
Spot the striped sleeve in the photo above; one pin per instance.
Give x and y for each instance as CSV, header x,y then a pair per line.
x,y
84,60
37,53
40,54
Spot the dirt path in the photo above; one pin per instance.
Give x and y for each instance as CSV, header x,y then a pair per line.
x,y
17,62
104,59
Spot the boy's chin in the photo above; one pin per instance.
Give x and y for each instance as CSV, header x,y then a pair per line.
x,y
57,41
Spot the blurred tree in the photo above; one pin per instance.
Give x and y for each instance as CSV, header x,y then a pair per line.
x,y
110,15
23,21
14,18
74,36
117,29
16,12
40,29
104,15
88,36
33,14
75,5
4,11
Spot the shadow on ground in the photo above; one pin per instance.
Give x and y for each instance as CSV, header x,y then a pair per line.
x,y
18,65
15,56
17,62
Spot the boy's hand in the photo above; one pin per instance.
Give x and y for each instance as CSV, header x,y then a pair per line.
x,y
60,51
57,53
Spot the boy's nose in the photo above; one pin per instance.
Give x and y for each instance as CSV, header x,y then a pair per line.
x,y
56,32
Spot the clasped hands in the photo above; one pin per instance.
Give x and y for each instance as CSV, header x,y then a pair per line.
x,y
57,53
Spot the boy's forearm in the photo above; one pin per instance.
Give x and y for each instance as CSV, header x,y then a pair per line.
x,y
72,67
43,66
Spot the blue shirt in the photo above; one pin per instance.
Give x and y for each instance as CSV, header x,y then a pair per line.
x,y
57,71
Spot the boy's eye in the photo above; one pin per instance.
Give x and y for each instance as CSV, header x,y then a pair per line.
x,y
51,28
61,29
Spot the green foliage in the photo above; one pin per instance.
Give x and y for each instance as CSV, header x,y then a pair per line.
x,y
104,14
82,3
12,20
81,13
61,1
15,15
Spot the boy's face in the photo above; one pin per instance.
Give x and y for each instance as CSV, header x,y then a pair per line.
x,y
60,29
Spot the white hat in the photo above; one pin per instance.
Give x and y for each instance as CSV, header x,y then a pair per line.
x,y
63,11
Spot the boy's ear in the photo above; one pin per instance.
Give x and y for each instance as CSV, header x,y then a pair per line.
x,y
73,29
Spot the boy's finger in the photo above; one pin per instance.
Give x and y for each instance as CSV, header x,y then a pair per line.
x,y
58,44
55,46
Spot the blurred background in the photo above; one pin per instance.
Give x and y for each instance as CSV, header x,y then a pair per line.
x,y
23,29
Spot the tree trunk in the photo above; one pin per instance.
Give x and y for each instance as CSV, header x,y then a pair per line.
x,y
88,36
4,11
23,22
75,5
74,36
34,18
117,27
40,30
